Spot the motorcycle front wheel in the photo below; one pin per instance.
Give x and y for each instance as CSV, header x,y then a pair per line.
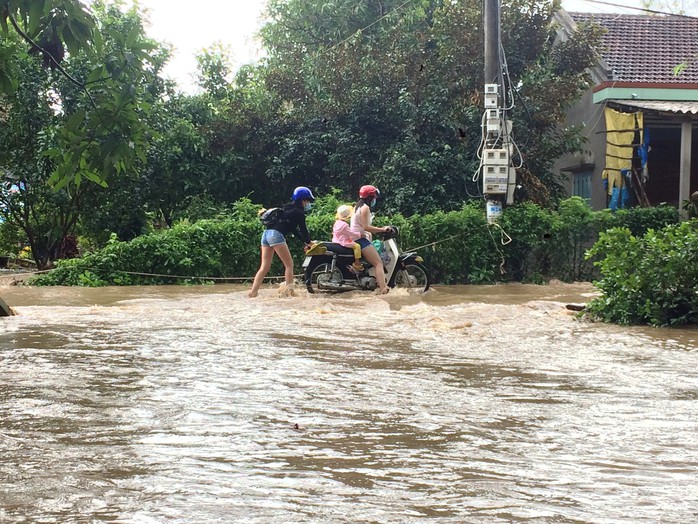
x,y
413,277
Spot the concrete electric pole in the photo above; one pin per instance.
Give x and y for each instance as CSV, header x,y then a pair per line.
x,y
498,174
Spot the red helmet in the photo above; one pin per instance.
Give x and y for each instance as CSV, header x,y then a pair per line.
x,y
368,192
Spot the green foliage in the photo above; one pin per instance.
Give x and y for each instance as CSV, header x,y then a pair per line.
x,y
679,7
11,239
97,86
215,70
468,257
107,100
178,159
386,93
691,206
650,279
574,231
208,248
26,200
528,254
458,246
638,220
56,133
51,28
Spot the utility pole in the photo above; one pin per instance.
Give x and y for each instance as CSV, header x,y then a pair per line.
x,y
498,175
492,62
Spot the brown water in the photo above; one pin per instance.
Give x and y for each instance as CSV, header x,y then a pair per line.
x,y
469,405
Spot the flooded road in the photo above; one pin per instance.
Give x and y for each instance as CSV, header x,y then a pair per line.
x,y
468,405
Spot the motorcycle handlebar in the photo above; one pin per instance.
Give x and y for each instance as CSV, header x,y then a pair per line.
x,y
392,232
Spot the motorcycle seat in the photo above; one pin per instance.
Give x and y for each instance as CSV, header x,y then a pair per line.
x,y
333,247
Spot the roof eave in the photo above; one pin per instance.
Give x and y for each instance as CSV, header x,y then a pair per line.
x,y
645,91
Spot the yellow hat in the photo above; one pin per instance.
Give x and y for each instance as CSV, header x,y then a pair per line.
x,y
344,212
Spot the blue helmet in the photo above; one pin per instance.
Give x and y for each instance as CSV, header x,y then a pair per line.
x,y
303,193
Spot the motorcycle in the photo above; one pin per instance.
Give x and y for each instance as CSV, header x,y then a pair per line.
x,y
327,267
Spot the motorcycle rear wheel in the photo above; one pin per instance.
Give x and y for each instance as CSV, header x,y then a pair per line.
x,y
413,277
319,271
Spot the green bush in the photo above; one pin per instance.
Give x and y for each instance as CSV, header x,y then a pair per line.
x,y
652,279
207,248
528,254
465,253
532,245
640,219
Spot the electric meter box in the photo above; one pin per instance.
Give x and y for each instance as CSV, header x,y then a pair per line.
x,y
495,179
493,121
495,157
494,211
491,96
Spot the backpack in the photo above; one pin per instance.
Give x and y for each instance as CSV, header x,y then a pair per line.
x,y
271,217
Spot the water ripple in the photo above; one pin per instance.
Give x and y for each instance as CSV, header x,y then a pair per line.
x,y
199,405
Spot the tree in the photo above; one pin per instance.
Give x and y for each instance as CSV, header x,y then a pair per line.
x,y
389,92
178,160
679,7
58,132
49,28
239,123
107,135
46,217
215,71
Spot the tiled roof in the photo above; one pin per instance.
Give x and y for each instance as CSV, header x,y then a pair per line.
x,y
643,48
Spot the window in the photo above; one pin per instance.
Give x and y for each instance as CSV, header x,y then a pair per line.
x,y
582,185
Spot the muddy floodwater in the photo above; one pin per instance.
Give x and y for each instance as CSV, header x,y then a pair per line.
x,y
467,405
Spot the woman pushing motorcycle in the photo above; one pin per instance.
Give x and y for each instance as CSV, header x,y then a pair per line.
x,y
361,224
274,238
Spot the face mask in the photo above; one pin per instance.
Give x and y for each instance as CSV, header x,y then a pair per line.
x,y
307,207
373,203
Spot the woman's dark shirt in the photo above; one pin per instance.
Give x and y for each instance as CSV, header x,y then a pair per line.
x,y
294,222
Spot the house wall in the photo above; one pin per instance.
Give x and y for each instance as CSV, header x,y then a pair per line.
x,y
663,159
591,117
582,172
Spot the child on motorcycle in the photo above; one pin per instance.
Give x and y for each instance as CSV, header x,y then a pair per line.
x,y
344,236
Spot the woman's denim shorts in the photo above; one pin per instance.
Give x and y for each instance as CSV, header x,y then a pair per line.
x,y
271,237
363,242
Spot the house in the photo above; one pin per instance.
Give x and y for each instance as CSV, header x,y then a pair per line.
x,y
640,114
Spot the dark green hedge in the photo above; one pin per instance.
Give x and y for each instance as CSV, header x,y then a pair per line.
x,y
532,245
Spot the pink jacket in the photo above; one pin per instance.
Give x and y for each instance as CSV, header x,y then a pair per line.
x,y
343,235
